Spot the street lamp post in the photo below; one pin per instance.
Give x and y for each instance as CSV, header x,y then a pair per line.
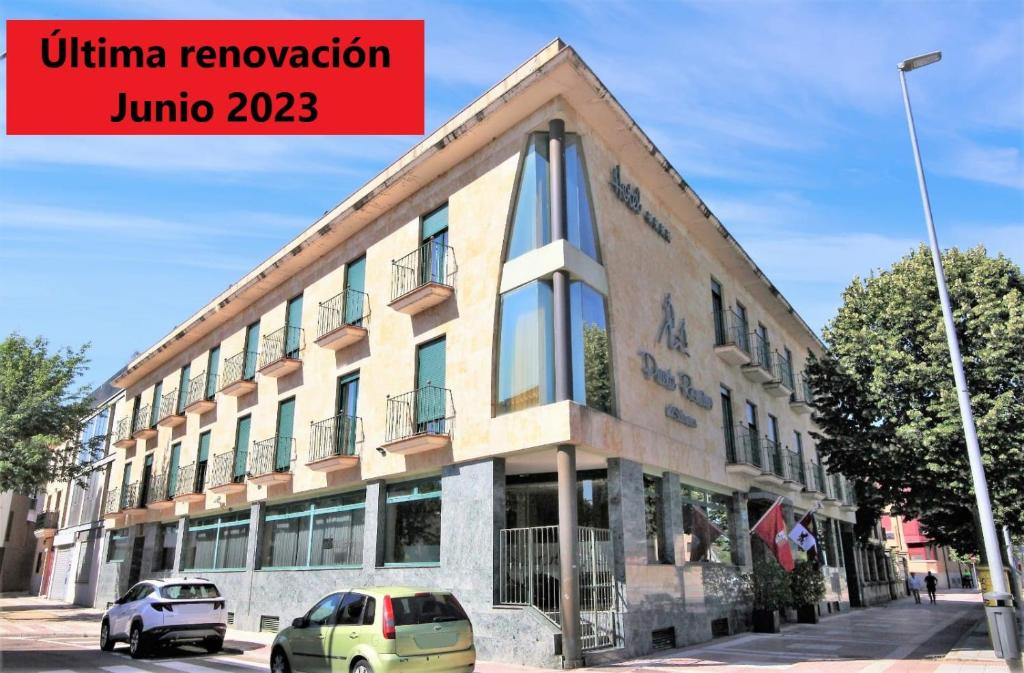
x,y
999,597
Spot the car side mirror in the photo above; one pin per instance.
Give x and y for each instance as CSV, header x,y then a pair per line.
x,y
300,622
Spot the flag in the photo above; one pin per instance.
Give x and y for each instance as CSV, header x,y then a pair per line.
x,y
810,524
803,538
703,532
771,528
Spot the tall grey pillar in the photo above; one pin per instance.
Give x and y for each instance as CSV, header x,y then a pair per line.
x,y
739,531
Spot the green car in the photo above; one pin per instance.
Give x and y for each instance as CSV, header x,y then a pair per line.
x,y
379,630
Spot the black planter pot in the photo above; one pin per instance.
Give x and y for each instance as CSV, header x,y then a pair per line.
x,y
807,614
766,621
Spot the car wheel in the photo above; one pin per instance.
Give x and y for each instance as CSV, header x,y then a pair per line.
x,y
106,642
137,642
279,662
362,666
213,645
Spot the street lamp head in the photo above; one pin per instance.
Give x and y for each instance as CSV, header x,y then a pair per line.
x,y
919,61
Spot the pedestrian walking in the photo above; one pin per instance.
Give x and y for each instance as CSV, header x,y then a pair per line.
x,y
931,581
915,587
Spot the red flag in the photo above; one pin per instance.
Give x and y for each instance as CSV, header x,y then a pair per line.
x,y
771,528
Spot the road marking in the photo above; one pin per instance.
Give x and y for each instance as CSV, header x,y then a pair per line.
x,y
58,670
186,667
65,642
124,669
239,662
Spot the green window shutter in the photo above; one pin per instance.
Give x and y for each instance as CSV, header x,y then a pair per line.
x,y
293,325
186,374
154,414
126,476
355,280
434,223
285,432
430,366
212,370
172,469
135,413
242,445
252,345
204,446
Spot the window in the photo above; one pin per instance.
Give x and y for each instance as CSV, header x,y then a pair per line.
x,y
718,311
355,287
212,370
93,438
202,459
216,543
117,545
427,608
531,500
242,428
431,397
172,470
350,612
293,327
323,612
706,526
284,434
531,224
655,520
787,371
186,592
741,316
347,406
727,424
591,354
316,533
167,543
183,380
433,255
526,365
413,523
252,346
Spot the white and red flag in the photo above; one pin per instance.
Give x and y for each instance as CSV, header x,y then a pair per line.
x,y
771,528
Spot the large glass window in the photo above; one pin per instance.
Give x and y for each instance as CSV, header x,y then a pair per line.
x,y
531,500
117,545
706,526
413,523
315,533
655,519
216,543
591,354
526,368
167,543
94,437
531,223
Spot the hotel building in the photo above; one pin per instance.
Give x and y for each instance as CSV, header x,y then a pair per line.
x,y
525,363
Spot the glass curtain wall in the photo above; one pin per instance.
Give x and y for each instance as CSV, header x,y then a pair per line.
x,y
526,360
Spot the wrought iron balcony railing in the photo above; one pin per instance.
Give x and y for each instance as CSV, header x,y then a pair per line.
x,y
191,479
239,367
157,489
142,419
123,430
168,405
222,470
815,477
351,307
761,352
794,467
783,370
197,390
848,495
802,393
773,462
747,448
112,504
131,496
427,410
47,520
732,330
271,455
283,344
432,262
332,437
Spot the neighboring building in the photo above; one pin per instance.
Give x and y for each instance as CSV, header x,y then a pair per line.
x,y
915,552
68,555
17,542
510,331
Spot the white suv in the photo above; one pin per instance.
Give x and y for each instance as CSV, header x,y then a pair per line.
x,y
166,612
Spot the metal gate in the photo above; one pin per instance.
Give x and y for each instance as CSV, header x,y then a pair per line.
x,y
61,571
529,574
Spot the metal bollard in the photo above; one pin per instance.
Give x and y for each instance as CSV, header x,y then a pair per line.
x,y
1002,627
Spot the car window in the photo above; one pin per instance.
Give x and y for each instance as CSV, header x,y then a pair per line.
x,y
370,611
351,610
145,591
324,610
427,608
133,593
189,591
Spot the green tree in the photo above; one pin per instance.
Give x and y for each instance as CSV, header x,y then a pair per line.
x,y
886,400
41,413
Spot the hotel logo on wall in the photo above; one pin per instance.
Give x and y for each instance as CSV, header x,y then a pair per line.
x,y
630,195
673,334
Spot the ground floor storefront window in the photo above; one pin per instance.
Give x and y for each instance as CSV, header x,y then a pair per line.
x,y
412,534
117,545
706,526
167,544
216,543
326,532
531,500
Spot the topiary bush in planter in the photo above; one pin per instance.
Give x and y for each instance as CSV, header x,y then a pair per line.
x,y
807,589
771,594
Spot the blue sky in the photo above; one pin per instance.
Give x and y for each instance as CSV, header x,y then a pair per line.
x,y
785,117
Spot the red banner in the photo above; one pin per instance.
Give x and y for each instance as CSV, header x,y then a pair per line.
x,y
214,77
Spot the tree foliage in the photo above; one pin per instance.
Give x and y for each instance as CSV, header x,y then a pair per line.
x,y
41,413
886,400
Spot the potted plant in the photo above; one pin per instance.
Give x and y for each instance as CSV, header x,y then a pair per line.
x,y
771,594
807,587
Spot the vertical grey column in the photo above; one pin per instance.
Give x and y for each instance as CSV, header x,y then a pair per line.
x,y
739,531
373,521
252,550
179,543
569,604
672,518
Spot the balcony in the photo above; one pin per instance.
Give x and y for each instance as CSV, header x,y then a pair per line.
x,y
423,279
420,420
143,427
158,496
759,370
781,384
223,478
802,398
270,461
190,483
794,471
112,505
281,352
847,496
342,320
773,472
831,482
815,478
123,434
132,501
732,342
332,444
744,456
239,371
169,416
46,525
200,396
